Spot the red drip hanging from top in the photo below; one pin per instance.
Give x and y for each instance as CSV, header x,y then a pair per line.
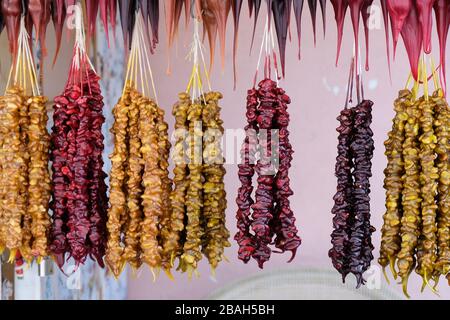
x,y
365,13
424,8
413,40
298,8
398,12
340,9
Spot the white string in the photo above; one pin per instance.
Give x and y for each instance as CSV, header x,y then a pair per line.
x,y
272,41
262,44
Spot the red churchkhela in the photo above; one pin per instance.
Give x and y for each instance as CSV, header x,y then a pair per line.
x,y
365,13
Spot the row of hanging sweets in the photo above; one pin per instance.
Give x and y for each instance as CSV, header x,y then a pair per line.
x,y
135,225
410,19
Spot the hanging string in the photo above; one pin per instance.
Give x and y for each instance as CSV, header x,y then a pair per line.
x,y
80,61
349,96
436,78
425,80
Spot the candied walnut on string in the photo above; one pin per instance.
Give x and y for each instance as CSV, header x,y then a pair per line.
x,y
194,197
216,234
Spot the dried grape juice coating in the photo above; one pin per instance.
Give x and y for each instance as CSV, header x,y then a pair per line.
x,y
153,186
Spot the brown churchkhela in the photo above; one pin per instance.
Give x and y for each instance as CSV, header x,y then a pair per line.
x,y
139,184
198,199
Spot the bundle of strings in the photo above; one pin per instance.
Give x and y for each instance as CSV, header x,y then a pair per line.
x,y
79,201
140,213
24,144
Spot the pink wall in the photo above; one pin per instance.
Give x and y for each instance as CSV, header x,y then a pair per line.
x,y
317,89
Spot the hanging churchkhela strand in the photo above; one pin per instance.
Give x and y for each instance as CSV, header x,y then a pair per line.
x,y
266,219
79,201
197,226
415,233
139,211
24,141
351,237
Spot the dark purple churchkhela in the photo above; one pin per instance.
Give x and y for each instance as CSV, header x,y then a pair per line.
x,y
352,232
